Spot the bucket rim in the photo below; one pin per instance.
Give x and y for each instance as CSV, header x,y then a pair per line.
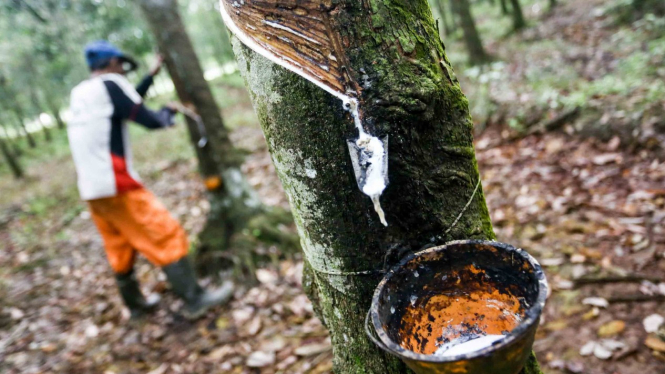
x,y
532,314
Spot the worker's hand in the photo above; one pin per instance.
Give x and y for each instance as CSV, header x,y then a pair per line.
x,y
174,106
157,66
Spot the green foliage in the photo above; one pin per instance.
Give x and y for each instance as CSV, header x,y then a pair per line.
x,y
42,45
41,58
207,31
626,11
540,76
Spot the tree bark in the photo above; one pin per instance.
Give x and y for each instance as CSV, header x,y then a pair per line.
x,y
55,112
504,7
21,130
11,160
26,133
20,118
474,45
234,204
47,131
411,94
36,102
13,145
518,16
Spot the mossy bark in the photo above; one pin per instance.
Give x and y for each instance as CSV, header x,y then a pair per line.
x,y
504,7
21,125
410,93
10,158
518,16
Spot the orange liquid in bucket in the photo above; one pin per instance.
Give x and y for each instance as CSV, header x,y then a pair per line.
x,y
469,313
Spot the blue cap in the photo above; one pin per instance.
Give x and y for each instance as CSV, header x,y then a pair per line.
x,y
99,52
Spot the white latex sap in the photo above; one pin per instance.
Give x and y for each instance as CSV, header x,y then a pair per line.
x,y
452,349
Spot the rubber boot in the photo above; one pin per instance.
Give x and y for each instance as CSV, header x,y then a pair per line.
x,y
131,294
197,300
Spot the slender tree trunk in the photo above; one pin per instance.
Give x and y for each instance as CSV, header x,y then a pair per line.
x,y
20,118
35,101
18,152
218,159
47,131
22,130
518,16
553,4
11,160
474,45
234,204
16,149
55,112
504,7
410,94
440,6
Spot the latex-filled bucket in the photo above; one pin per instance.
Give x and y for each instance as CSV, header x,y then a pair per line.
x,y
465,292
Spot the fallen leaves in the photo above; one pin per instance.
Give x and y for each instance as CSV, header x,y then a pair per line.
x,y
611,328
653,322
655,343
602,349
314,349
596,301
260,359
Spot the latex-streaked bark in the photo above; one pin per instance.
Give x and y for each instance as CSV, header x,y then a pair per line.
x,y
411,94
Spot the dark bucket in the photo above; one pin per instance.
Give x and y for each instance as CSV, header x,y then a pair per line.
x,y
457,293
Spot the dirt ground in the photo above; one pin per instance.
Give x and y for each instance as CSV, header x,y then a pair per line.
x,y
585,208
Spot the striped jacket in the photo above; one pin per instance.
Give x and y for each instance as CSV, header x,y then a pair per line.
x,y
98,135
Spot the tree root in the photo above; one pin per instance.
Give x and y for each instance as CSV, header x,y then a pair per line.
x,y
263,237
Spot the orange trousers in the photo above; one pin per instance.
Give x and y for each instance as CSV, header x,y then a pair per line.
x,y
135,221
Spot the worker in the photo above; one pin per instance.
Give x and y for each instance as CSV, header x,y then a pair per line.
x,y
129,218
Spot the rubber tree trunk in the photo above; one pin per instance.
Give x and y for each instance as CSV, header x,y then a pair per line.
x,y
474,44
411,94
35,101
13,144
55,112
24,130
504,7
234,204
518,16
20,118
47,131
11,160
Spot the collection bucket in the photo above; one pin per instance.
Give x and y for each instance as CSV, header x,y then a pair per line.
x,y
465,307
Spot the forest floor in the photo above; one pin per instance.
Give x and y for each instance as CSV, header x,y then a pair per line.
x,y
584,207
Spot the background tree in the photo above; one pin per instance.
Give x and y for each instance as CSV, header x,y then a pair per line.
x,y
207,31
440,7
10,157
504,7
235,207
474,45
12,140
7,100
518,16
411,94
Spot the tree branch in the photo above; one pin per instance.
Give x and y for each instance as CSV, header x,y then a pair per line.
x,y
31,10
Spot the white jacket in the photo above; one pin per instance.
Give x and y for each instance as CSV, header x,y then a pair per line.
x,y
98,135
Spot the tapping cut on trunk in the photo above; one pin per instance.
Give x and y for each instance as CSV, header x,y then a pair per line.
x,y
301,36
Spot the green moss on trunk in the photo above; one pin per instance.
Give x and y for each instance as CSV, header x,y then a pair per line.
x,y
410,93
